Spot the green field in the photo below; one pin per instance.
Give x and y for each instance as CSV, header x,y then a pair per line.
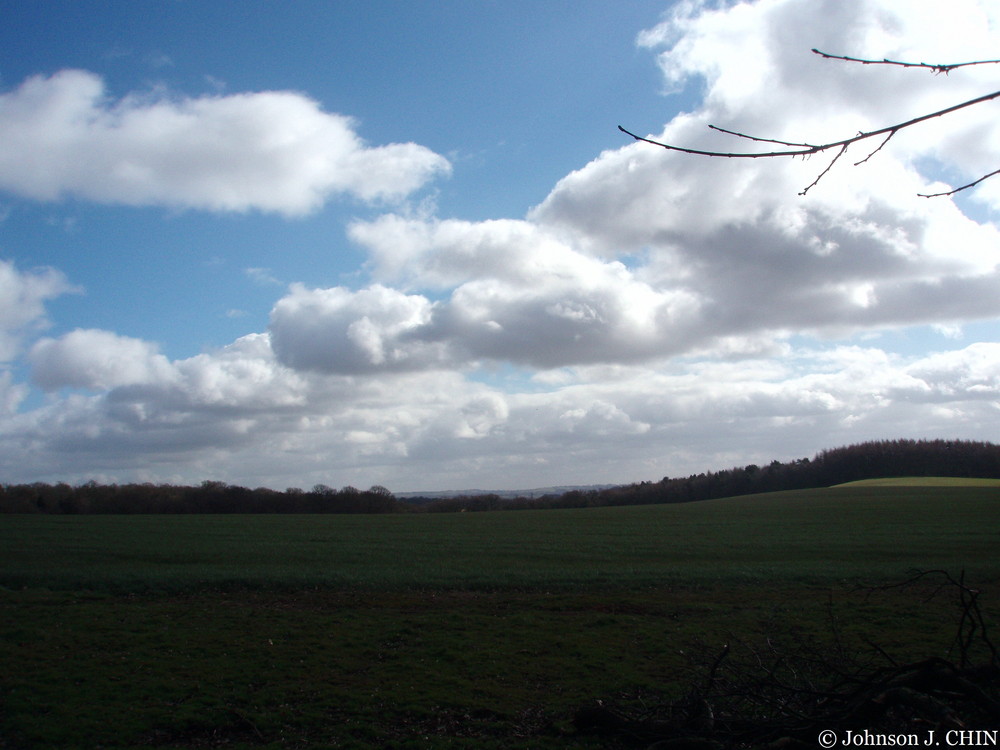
x,y
924,482
446,630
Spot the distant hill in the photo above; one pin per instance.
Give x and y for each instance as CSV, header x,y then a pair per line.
x,y
929,462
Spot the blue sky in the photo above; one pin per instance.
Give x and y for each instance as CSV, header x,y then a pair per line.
x,y
492,86
404,243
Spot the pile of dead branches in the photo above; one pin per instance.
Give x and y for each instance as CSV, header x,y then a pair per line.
x,y
782,694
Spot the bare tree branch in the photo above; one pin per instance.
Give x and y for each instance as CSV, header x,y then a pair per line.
x,y
808,149
784,692
937,68
736,155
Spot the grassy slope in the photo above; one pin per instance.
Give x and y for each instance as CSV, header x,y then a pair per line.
x,y
467,630
924,482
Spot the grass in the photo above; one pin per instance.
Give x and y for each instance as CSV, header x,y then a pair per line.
x,y
924,482
464,630
810,535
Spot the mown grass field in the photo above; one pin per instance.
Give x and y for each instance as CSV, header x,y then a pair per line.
x,y
459,630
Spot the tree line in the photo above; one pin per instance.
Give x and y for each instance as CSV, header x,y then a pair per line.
x,y
869,460
208,497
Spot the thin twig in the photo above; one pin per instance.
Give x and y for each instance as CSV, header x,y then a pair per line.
x,y
859,163
822,174
959,189
246,720
762,140
971,618
710,682
881,651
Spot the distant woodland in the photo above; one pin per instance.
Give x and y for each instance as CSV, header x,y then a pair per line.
x,y
870,460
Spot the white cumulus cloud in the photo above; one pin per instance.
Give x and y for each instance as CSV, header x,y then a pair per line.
x,y
520,294
275,151
339,331
656,314
96,360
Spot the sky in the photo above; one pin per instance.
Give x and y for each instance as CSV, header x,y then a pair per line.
x,y
400,243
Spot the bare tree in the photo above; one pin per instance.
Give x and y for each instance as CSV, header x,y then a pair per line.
x,y
790,148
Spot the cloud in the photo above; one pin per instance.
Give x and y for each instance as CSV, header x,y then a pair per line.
x,y
11,394
761,79
262,276
520,294
273,151
655,314
244,376
239,414
234,412
23,295
529,292
644,254
96,360
972,373
861,251
337,330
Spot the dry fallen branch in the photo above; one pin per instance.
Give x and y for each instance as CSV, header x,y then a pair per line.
x,y
784,691
808,149
970,624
